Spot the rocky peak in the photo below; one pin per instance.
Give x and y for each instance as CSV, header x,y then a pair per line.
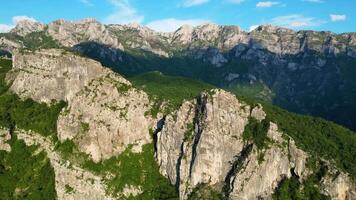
x,y
269,28
25,27
183,34
71,33
206,32
203,144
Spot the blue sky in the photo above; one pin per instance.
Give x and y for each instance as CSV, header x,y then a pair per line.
x,y
167,15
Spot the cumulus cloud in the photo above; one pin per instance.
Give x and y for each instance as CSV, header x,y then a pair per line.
x,y
190,3
295,21
123,13
253,27
15,20
172,24
266,4
336,18
4,28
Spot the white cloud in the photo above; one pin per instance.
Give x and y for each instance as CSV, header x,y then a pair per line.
x,y
314,1
4,28
172,24
190,3
235,1
15,20
295,21
266,4
336,18
87,2
124,13
253,27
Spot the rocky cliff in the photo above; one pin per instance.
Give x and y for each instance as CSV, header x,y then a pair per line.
x,y
105,113
203,143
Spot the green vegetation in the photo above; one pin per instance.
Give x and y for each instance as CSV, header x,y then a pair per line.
x,y
68,189
172,90
256,132
205,192
123,88
127,169
34,40
84,127
318,137
256,91
189,133
292,189
25,174
39,40
5,66
26,114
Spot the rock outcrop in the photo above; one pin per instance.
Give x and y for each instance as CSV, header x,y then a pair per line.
x,y
72,33
51,74
106,117
203,144
25,27
84,185
4,138
339,185
105,114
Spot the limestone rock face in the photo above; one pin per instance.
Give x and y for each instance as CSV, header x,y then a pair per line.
x,y
51,74
339,185
9,44
202,144
259,179
4,137
198,142
24,27
105,114
105,117
85,185
183,34
72,33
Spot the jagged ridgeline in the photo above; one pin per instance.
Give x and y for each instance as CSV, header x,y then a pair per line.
x,y
73,129
307,72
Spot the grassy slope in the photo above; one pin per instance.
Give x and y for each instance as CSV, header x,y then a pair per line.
x,y
171,89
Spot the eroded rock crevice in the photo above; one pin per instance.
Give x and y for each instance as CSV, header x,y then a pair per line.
x,y
236,166
199,125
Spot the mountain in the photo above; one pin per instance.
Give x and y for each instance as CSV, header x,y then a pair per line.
x,y
74,129
306,72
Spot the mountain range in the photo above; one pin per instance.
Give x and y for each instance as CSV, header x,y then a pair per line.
x,y
306,72
94,111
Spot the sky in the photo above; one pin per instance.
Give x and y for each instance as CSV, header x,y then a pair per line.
x,y
168,15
